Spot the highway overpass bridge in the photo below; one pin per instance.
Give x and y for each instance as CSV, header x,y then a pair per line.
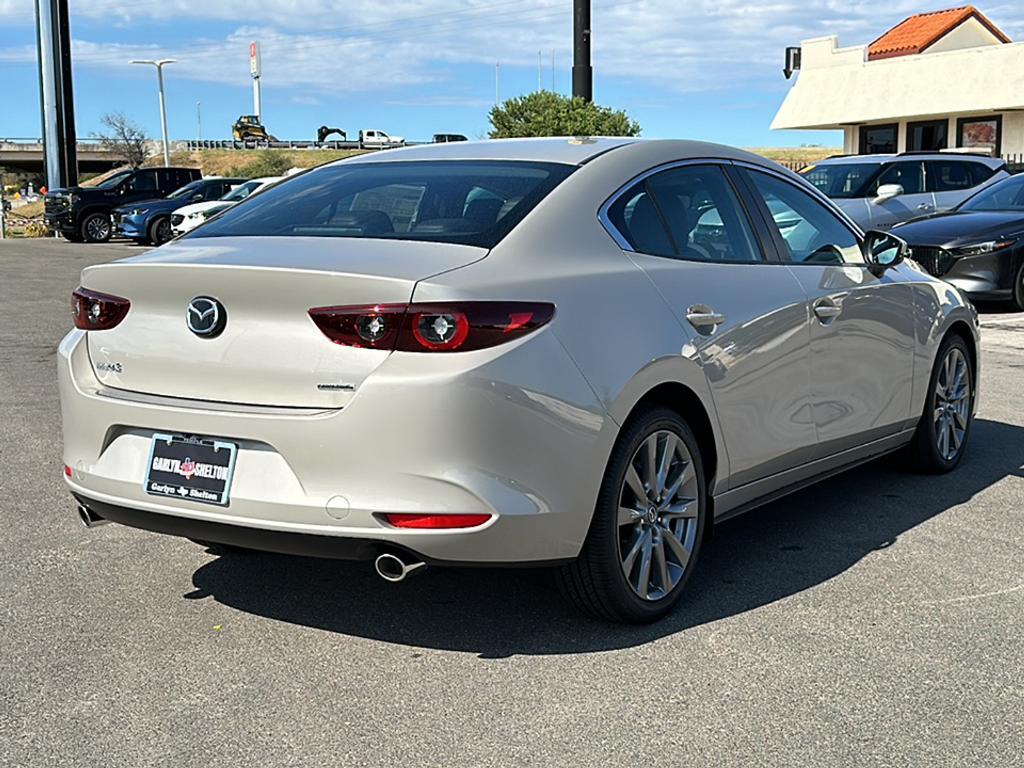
x,y
25,157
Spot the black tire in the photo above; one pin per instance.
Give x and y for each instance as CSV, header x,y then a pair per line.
x,y
596,582
925,448
1018,289
160,230
96,228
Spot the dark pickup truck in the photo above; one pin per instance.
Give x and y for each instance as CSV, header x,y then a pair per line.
x,y
82,214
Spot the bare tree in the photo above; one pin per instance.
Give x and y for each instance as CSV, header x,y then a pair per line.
x,y
123,138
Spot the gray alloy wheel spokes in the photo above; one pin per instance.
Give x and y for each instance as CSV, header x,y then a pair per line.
x,y
657,520
97,227
952,404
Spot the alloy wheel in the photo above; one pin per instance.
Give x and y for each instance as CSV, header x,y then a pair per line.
x,y
163,231
657,515
952,404
98,228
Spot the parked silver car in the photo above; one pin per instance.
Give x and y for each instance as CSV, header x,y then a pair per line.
x,y
568,352
878,191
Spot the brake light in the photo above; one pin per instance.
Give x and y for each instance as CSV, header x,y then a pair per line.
x,y
94,311
415,520
439,327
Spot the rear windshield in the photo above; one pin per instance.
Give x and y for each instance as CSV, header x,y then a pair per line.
x,y
448,201
841,180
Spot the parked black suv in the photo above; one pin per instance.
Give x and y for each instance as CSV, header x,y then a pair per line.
x,y
83,213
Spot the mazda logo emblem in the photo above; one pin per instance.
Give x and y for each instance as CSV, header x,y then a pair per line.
x,y
205,316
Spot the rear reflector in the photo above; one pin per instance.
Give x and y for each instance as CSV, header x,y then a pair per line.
x,y
94,311
67,471
440,327
409,520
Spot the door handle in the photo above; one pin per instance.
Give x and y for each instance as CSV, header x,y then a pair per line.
x,y
701,317
826,310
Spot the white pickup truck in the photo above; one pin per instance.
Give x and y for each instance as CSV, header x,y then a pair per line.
x,y
372,138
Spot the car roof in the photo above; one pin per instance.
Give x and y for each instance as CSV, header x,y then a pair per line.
x,y
563,149
992,162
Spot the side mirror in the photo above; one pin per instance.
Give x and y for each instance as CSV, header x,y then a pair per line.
x,y
883,250
887,192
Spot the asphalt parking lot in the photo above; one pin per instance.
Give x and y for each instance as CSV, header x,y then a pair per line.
x,y
876,619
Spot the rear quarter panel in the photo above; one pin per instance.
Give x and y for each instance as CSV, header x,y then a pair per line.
x,y
610,320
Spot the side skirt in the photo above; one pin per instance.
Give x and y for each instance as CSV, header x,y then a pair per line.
x,y
760,492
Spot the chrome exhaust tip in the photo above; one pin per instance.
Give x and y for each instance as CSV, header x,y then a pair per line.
x,y
89,518
393,568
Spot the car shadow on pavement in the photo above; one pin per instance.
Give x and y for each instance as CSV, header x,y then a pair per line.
x,y
779,550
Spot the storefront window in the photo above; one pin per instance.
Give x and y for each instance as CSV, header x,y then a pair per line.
x,y
980,133
927,136
878,139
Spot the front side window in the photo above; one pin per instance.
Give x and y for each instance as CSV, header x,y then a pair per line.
x,y
450,201
114,181
841,180
811,232
690,213
909,175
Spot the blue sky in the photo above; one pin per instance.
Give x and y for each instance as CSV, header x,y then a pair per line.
x,y
706,69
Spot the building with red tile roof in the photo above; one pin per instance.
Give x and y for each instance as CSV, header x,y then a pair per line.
x,y
943,80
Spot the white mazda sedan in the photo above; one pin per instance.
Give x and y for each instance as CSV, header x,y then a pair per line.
x,y
578,353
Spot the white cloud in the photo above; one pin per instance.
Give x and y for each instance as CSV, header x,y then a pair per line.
x,y
326,47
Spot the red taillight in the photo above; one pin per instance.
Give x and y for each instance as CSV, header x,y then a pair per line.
x,y
67,471
412,520
94,311
441,327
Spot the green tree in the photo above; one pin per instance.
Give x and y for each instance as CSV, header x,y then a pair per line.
x,y
550,114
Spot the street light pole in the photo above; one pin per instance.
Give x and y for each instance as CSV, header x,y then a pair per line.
x,y
53,40
159,64
582,72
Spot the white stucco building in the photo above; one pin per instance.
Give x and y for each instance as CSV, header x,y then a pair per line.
x,y
935,81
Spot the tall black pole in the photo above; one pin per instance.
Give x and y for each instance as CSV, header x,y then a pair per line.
x,y
582,72
60,156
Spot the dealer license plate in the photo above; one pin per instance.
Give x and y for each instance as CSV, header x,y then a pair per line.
x,y
189,468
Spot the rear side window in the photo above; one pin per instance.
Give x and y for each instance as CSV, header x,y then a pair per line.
x,y
451,201
143,181
689,212
953,175
637,219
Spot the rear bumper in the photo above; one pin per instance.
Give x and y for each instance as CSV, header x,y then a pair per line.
x,y
281,542
412,439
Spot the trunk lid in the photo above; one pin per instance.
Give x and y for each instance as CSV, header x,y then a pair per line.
x,y
269,352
